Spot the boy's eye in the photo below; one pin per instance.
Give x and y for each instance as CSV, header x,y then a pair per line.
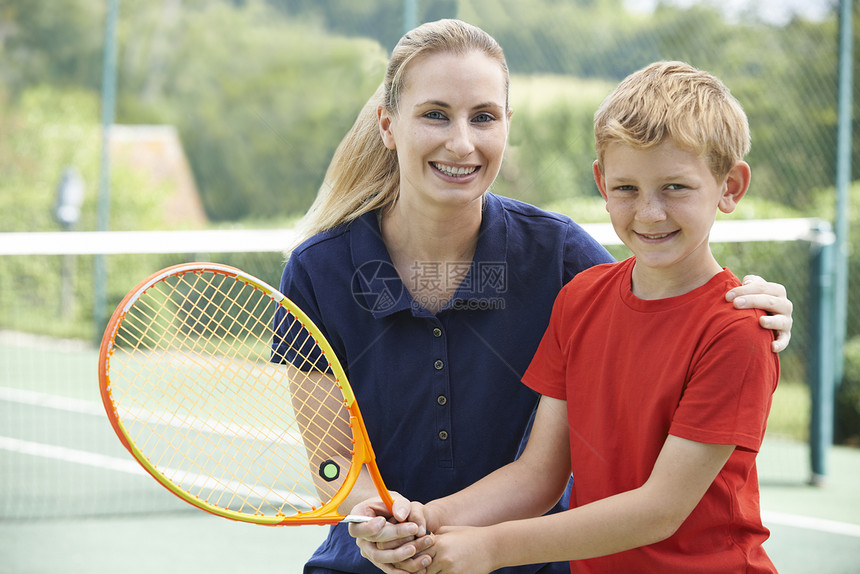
x,y
676,186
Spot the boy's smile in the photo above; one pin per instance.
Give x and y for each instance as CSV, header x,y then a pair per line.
x,y
662,202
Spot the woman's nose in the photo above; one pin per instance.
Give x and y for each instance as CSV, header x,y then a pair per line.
x,y
460,139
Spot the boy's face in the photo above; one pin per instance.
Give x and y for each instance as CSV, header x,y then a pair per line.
x,y
662,202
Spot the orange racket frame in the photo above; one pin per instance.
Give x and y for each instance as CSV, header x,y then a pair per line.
x,y
362,451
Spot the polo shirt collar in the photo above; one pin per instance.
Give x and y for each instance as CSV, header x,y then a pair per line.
x,y
383,293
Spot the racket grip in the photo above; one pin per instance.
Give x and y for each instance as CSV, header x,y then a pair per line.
x,y
356,519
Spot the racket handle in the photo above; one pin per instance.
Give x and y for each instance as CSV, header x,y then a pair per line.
x,y
356,519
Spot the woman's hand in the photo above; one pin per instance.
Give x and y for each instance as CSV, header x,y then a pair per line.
x,y
756,293
389,541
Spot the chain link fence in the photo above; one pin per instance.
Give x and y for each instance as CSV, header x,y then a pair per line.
x,y
261,92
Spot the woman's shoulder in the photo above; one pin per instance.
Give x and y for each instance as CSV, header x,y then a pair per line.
x,y
324,241
521,209
530,216
536,227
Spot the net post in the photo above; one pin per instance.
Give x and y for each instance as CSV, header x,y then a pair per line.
x,y
843,183
820,373
108,103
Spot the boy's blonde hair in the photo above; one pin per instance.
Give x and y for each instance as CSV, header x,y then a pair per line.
x,y
674,100
364,175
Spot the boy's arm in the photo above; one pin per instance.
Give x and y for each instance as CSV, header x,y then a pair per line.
x,y
682,474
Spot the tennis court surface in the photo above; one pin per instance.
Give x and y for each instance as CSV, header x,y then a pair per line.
x,y
72,500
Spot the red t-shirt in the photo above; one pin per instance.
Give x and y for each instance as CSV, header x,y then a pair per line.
x,y
633,371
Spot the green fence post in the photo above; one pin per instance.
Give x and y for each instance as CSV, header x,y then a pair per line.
x,y
820,370
108,112
843,183
410,15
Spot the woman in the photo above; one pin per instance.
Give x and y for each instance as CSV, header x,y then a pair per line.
x,y
434,292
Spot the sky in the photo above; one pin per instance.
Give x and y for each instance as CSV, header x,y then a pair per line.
x,y
773,11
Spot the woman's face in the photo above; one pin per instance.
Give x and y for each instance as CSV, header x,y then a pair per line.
x,y
451,128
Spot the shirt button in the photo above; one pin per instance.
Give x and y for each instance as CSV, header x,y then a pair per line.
x,y
437,332
442,400
443,435
438,365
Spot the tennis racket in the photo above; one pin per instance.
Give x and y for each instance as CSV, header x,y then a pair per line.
x,y
232,399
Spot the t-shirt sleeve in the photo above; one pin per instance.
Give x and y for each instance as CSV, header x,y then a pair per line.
x,y
729,393
292,342
546,372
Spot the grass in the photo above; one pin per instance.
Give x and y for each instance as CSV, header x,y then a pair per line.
x,y
789,415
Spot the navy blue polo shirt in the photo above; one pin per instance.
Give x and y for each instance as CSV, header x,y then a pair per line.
x,y
440,394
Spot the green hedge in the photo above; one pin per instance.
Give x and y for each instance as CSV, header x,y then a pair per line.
x,y
848,397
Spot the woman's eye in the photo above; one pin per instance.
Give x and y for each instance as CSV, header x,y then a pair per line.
x,y
483,118
435,115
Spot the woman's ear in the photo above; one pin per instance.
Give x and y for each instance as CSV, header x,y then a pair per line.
x,y
735,187
384,119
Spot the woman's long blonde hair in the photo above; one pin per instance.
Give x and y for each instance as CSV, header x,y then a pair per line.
x,y
363,174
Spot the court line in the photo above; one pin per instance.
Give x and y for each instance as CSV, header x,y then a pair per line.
x,y
46,400
142,416
810,523
189,480
71,455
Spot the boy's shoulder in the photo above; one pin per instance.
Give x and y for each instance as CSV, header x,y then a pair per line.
x,y
600,275
592,287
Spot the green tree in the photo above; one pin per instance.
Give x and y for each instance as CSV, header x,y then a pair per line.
x,y
59,41
260,112
263,90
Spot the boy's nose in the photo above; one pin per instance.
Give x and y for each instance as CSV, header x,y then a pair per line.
x,y
650,209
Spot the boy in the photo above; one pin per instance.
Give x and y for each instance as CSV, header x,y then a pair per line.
x,y
653,388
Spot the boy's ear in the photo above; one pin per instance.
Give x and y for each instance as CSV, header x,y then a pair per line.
x,y
384,120
735,187
599,180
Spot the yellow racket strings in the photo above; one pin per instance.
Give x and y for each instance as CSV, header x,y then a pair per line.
x,y
192,381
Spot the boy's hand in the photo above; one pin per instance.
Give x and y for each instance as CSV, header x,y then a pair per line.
x,y
460,550
756,293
